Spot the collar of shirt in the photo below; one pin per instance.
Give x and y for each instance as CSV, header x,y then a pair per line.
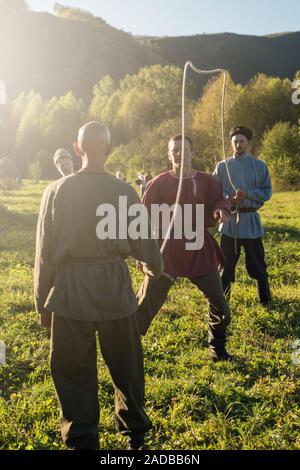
x,y
241,157
185,177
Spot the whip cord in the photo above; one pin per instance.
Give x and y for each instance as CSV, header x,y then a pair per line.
x,y
180,183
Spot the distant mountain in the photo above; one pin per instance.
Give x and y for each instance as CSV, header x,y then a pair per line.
x,y
243,56
54,54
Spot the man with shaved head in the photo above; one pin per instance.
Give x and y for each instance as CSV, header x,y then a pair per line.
x,y
83,283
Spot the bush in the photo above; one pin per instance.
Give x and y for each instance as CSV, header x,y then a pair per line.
x,y
281,151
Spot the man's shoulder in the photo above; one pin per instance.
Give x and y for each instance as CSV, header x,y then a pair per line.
x,y
53,186
206,179
221,166
159,180
202,176
260,164
83,179
57,185
161,177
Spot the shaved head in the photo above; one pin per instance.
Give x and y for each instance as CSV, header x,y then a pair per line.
x,y
94,139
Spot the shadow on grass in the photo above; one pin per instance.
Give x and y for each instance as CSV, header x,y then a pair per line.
x,y
13,377
278,231
289,321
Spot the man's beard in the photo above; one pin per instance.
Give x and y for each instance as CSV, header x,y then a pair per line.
x,y
238,153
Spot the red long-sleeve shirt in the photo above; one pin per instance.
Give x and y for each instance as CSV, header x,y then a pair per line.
x,y
203,189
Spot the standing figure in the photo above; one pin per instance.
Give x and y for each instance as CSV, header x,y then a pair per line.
x,y
251,178
84,281
200,266
63,162
142,182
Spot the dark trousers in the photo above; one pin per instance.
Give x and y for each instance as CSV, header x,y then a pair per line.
x,y
153,294
73,362
255,264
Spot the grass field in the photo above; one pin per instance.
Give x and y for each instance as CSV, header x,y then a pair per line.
x,y
194,404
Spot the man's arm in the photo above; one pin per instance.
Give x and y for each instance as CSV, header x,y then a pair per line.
x,y
219,173
146,250
44,270
219,204
264,192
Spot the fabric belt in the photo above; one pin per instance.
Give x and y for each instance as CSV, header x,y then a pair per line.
x,y
87,261
245,210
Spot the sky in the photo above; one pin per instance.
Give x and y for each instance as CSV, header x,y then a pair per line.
x,y
187,17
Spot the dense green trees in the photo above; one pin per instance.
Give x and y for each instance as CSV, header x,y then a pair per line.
x,y
141,102
264,102
281,150
144,110
38,127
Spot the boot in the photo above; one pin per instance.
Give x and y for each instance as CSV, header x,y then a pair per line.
x,y
264,292
136,442
227,290
220,356
217,345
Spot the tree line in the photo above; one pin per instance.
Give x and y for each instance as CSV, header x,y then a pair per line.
x,y
143,110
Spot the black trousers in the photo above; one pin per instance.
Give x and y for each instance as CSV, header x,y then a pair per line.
x,y
255,263
73,363
153,294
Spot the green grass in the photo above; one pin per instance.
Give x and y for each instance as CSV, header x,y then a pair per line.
x,y
194,404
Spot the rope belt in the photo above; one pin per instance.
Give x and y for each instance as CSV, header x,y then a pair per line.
x,y
236,213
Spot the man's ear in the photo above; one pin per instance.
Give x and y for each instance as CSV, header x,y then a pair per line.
x,y
77,150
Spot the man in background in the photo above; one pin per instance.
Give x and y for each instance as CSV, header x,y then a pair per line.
x,y
63,162
251,179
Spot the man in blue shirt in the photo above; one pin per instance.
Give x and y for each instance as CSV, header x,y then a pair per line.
x,y
253,188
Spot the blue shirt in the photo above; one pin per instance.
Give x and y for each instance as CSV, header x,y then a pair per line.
x,y
252,175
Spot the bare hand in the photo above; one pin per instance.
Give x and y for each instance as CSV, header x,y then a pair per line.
x,y
241,194
46,320
221,216
139,266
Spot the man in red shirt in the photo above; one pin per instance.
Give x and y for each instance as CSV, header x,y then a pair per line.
x,y
200,266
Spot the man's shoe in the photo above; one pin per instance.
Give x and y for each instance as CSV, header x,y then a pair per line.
x,y
264,292
136,443
130,447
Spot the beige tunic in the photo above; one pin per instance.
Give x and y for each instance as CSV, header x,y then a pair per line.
x,y
77,275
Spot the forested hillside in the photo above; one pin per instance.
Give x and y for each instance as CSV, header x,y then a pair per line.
x,y
72,50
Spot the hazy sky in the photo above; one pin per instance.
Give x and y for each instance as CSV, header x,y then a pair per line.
x,y
185,17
